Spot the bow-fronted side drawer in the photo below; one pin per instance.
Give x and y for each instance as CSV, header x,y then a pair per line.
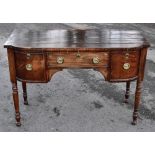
x,y
30,66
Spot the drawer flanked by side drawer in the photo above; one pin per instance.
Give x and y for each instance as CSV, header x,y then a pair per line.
x,y
124,65
76,59
30,66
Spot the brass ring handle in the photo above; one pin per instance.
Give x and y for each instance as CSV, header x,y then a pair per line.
x,y
96,60
28,67
60,60
126,66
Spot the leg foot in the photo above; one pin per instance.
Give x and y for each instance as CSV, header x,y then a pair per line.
x,y
17,116
137,101
134,122
24,93
135,117
18,124
26,103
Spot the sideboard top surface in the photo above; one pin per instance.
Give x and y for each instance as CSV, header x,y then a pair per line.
x,y
73,39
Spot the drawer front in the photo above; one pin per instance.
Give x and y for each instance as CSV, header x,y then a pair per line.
x,y
30,66
77,59
124,65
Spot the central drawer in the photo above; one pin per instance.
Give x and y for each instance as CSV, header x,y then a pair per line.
x,y
73,59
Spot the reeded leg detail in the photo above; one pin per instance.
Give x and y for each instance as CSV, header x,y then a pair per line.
x,y
127,93
137,101
24,93
16,103
17,116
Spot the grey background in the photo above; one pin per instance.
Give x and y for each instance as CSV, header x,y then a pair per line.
x,y
77,100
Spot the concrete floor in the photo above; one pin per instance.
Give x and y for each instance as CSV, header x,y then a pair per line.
x,y
77,100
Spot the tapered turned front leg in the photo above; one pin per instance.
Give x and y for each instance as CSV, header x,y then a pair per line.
x,y
13,79
16,103
127,93
24,93
137,101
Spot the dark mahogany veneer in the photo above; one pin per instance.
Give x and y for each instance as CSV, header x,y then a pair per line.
x,y
34,56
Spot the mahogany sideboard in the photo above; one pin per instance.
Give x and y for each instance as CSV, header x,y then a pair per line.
x,y
34,56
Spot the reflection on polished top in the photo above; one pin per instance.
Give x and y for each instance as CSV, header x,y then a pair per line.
x,y
90,38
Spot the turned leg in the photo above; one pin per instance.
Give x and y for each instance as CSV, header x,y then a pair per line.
x,y
127,93
16,103
13,79
137,101
24,93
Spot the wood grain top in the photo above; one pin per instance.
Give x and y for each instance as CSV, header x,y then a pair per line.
x,y
70,39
